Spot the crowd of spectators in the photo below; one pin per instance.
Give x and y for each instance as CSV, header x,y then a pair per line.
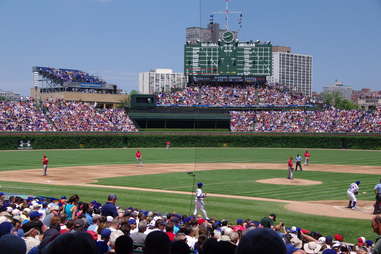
x,y
79,116
371,122
58,115
329,120
22,116
42,225
68,75
232,96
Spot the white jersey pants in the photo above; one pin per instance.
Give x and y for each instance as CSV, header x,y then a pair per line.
x,y
199,205
351,196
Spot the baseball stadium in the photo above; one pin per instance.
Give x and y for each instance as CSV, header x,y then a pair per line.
x,y
229,153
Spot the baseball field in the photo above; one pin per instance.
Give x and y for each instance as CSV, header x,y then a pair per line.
x,y
240,182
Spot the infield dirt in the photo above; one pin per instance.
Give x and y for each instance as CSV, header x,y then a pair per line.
x,y
87,175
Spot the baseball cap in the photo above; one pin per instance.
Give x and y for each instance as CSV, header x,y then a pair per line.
x,y
321,239
200,184
131,221
328,239
200,221
79,223
112,197
361,241
105,233
34,214
339,237
273,215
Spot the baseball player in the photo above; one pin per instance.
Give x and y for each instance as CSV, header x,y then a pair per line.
x,y
199,201
45,162
139,157
298,162
290,169
352,191
307,157
377,204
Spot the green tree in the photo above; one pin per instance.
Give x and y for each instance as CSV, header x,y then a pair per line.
x,y
336,99
2,98
126,102
132,92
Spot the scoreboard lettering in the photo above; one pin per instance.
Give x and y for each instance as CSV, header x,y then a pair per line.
x,y
228,58
210,79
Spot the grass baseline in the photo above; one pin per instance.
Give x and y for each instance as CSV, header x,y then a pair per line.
x,y
14,160
242,182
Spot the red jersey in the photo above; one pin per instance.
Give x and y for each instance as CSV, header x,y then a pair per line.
x,y
45,161
290,164
168,143
138,154
307,155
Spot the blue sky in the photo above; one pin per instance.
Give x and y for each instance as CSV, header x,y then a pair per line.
x,y
116,39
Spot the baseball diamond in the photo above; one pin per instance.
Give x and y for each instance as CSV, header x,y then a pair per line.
x,y
254,177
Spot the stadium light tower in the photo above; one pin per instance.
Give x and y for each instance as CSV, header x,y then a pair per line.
x,y
227,13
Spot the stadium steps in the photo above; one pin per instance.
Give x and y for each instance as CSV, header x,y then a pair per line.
x,y
44,109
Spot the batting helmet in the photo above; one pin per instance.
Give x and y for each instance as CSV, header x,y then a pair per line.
x,y
358,182
200,184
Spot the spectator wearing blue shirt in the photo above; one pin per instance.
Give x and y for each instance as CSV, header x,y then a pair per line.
x,y
377,205
109,208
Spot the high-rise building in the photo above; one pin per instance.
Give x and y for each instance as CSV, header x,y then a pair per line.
x,y
210,34
291,70
339,87
160,80
366,98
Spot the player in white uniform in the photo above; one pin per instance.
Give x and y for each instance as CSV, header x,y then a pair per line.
x,y
352,191
199,201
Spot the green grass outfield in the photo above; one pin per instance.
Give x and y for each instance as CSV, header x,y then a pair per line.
x,y
242,182
11,160
218,207
222,208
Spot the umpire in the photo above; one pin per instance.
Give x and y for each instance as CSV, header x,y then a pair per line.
x,y
377,204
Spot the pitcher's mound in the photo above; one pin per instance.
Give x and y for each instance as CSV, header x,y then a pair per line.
x,y
286,181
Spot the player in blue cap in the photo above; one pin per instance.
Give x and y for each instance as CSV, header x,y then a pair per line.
x,y
352,191
199,201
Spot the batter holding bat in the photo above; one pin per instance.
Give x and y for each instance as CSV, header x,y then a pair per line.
x,y
352,191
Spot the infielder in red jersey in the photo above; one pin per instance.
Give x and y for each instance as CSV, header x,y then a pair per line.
x,y
307,157
290,168
45,162
138,157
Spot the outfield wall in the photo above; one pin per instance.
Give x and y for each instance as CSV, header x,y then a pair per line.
x,y
11,141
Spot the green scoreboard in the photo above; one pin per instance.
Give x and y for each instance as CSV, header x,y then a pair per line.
x,y
228,57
